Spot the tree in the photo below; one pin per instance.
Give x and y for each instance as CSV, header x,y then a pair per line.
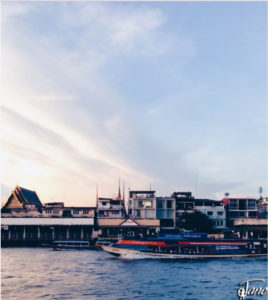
x,y
197,222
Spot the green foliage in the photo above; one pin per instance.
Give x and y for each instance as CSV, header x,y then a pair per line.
x,y
197,222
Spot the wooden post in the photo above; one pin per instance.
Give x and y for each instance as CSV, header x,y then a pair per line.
x,y
82,233
9,234
67,234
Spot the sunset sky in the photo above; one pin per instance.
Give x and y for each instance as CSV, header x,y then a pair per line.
x,y
171,95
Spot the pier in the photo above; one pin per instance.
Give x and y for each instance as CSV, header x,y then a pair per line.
x,y
42,231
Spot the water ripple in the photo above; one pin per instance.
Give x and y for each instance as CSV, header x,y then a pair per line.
x,y
29,273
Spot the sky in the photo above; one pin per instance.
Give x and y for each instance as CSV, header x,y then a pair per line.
x,y
168,95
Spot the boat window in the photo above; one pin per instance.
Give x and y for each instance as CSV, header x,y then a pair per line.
x,y
210,213
220,213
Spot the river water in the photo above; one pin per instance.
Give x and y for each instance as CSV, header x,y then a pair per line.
x,y
41,273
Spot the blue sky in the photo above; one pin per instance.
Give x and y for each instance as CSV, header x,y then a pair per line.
x,y
168,94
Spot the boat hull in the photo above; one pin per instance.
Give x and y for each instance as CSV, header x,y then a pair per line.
x,y
130,253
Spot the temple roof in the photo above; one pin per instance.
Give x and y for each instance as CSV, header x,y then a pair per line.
x,y
31,197
23,197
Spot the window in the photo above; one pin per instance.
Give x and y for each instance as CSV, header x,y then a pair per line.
x,y
220,213
85,212
242,204
160,214
210,213
160,204
148,204
241,214
252,214
251,204
140,203
137,214
56,212
103,203
169,204
188,205
180,206
76,211
233,214
169,214
232,204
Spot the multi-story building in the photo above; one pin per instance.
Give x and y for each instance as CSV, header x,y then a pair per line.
x,y
165,212
239,208
111,208
114,222
214,210
184,203
263,208
142,204
57,209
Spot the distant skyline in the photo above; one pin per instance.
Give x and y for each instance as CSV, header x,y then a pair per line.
x,y
167,94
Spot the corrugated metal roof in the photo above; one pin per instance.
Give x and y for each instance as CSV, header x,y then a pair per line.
x,y
47,221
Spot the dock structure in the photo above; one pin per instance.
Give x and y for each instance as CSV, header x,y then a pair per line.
x,y
26,222
40,231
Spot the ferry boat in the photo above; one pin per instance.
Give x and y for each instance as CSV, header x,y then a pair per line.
x,y
189,245
100,243
70,245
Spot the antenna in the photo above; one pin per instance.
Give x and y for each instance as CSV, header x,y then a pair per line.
x,y
97,195
124,191
119,192
195,182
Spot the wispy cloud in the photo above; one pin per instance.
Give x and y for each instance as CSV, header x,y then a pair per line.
x,y
94,91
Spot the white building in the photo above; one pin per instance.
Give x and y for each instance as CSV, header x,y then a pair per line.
x,y
214,210
142,204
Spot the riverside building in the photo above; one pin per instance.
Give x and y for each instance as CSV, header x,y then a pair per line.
x,y
214,210
25,221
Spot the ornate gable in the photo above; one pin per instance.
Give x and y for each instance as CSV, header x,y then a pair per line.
x,y
13,202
